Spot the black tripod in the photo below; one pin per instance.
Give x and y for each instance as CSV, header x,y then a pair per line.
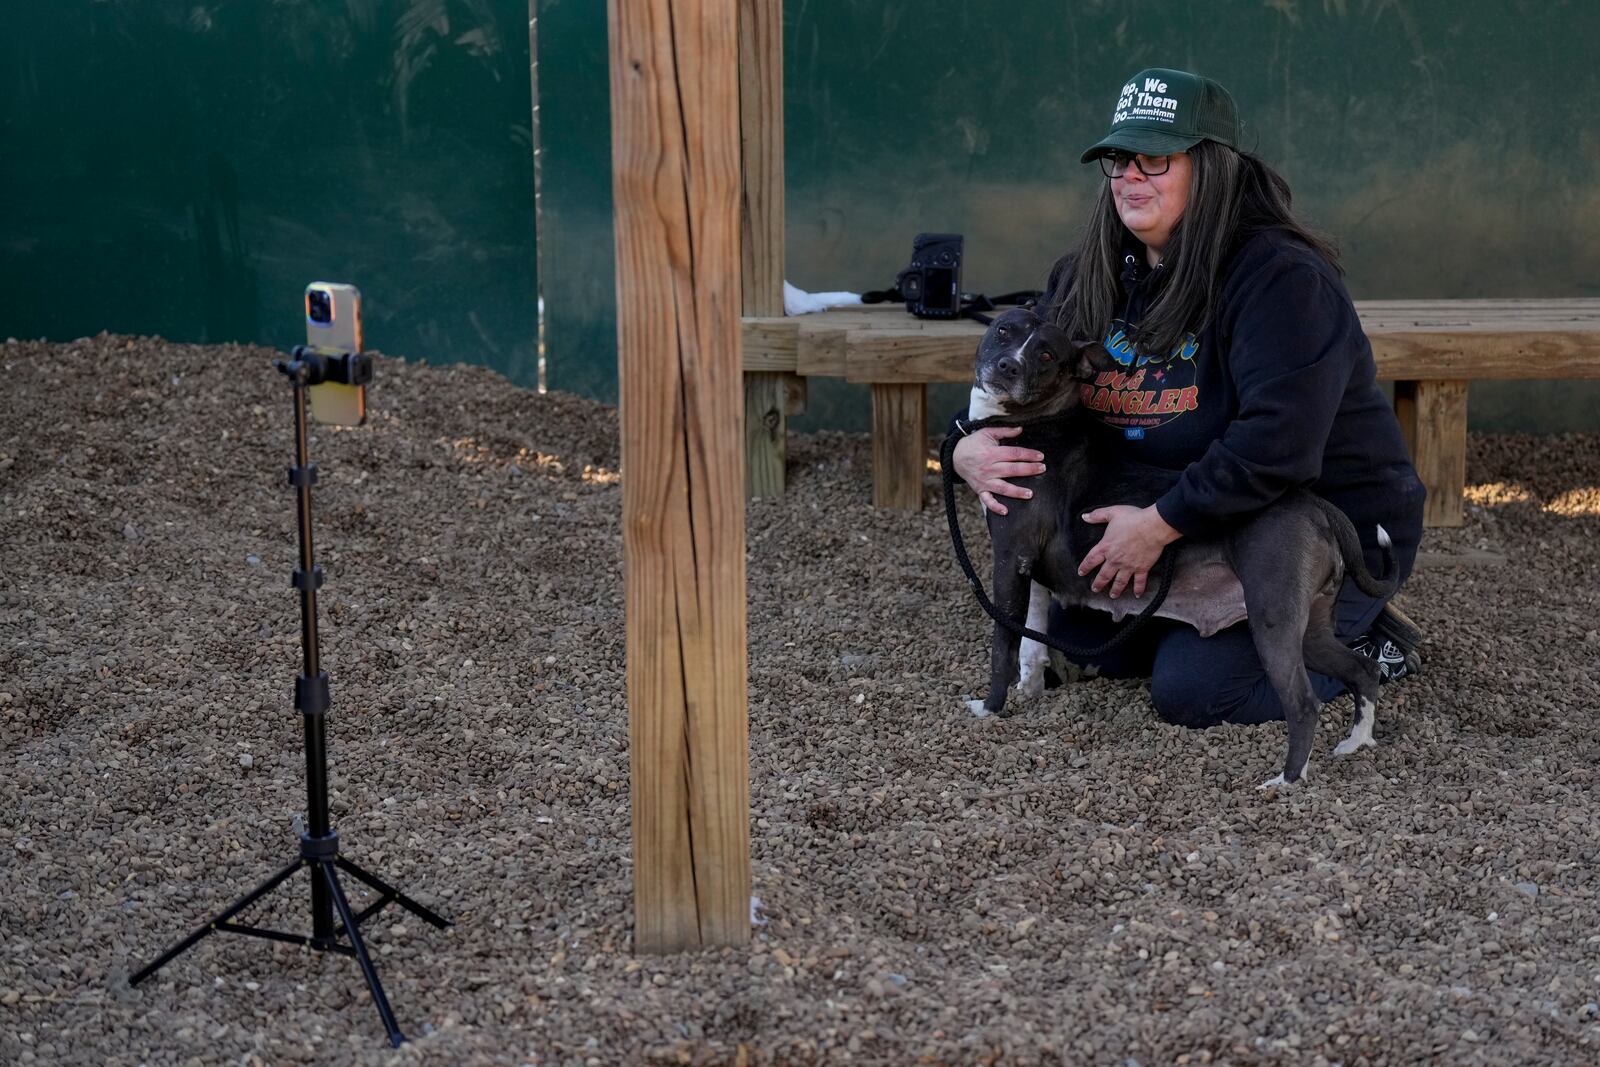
x,y
319,846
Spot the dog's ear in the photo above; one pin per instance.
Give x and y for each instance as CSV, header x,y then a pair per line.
x,y
1089,360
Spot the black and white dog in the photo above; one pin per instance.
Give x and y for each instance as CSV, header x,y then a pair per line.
x,y
1281,567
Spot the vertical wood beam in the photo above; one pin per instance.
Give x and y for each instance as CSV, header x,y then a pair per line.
x,y
1433,418
761,154
766,446
769,397
899,445
675,149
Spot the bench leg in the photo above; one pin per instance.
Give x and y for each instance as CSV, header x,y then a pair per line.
x,y
1433,417
899,445
766,445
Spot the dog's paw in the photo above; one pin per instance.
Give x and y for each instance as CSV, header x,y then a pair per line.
x,y
1353,744
1034,657
976,708
1360,734
1032,684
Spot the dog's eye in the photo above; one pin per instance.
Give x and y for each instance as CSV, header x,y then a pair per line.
x,y
1047,356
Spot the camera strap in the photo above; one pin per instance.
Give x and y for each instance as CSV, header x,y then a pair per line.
x,y
973,305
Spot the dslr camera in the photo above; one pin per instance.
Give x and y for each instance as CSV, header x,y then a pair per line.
x,y
931,286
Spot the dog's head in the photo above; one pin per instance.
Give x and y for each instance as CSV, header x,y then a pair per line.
x,y
1028,367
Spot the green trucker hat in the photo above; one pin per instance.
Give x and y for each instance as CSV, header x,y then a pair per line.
x,y
1161,111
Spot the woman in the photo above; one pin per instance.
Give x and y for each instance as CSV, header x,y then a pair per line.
x,y
1241,363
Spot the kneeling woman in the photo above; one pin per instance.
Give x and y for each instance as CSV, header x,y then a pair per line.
x,y
1242,364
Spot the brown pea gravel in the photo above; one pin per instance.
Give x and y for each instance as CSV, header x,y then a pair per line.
x,y
1078,884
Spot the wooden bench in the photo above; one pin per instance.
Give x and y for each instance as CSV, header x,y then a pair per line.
x,y
1431,350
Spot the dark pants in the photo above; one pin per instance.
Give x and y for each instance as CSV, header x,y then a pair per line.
x,y
1205,681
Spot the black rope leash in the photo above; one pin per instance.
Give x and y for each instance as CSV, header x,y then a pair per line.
x,y
1169,558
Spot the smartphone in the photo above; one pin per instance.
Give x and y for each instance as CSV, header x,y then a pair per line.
x,y
333,325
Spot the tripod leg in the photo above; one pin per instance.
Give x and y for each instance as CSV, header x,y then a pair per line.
x,y
323,930
239,905
400,898
370,973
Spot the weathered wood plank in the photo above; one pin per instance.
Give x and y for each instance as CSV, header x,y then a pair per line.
x,y
1489,315
771,344
766,443
1480,356
675,172
1534,340
909,356
894,357
1433,418
899,445
821,351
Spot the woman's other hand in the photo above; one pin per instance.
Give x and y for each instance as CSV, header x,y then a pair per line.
x,y
985,464
1130,546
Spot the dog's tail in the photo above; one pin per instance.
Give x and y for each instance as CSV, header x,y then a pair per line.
x,y
1355,564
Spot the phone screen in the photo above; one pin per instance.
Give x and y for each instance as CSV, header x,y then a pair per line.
x,y
333,325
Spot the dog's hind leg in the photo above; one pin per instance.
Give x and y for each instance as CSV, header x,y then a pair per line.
x,y
1035,657
1326,654
1301,707
1287,568
1279,631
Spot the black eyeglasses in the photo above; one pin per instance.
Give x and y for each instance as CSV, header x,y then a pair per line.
x,y
1115,164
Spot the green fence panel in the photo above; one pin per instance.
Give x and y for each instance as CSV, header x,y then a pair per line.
x,y
185,167
576,239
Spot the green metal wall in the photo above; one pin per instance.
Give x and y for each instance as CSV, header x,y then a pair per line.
x,y
1450,147
185,167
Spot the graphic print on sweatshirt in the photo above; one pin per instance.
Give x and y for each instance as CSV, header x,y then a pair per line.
x,y
1145,391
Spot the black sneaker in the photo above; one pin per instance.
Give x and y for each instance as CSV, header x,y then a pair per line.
x,y
1392,624
1392,641
1393,664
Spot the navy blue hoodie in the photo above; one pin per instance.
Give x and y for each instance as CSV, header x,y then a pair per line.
x,y
1278,390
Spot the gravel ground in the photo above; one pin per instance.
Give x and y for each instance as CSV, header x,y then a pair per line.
x,y
1079,884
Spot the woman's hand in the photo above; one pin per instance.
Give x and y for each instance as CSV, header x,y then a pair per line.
x,y
1130,546
985,464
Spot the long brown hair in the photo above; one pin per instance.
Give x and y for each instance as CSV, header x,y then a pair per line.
x,y
1232,196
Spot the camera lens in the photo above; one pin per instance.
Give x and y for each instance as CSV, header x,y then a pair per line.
x,y
319,306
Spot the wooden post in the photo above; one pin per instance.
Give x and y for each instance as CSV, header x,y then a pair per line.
x,y
675,151
770,397
1433,417
899,445
766,434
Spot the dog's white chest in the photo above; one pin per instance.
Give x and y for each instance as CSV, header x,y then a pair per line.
x,y
981,404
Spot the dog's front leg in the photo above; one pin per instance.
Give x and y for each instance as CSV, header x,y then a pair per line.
x,y
1011,587
1035,657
